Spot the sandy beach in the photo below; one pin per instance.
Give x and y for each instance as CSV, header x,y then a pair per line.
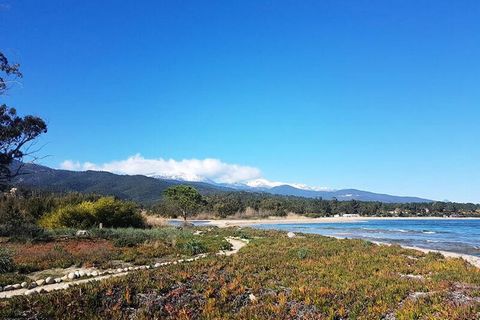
x,y
223,223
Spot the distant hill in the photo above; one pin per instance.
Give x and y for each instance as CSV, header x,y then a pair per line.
x,y
147,190
138,188
343,195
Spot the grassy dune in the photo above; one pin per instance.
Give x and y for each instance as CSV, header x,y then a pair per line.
x,y
276,277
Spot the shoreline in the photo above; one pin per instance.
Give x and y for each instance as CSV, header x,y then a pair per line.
x,y
473,260
294,219
224,223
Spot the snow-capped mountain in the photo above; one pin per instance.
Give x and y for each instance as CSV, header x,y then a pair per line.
x,y
147,188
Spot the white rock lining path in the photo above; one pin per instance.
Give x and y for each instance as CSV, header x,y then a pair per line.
x,y
50,284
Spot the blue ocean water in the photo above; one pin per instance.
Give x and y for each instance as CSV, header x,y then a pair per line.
x,y
454,235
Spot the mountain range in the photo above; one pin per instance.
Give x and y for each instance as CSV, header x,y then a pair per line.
x,y
148,190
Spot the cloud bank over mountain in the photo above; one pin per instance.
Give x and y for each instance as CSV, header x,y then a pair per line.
x,y
213,170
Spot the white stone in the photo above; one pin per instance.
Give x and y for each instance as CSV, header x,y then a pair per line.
x,y
81,273
29,292
291,235
119,270
49,280
82,233
77,274
40,282
252,297
16,286
94,273
156,265
71,275
7,287
58,280
32,285
24,284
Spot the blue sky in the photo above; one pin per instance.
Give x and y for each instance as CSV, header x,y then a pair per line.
x,y
376,95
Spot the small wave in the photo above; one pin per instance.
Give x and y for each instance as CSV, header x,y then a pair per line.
x,y
428,232
401,230
433,241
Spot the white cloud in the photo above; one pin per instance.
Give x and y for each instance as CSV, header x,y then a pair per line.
x,y
71,165
188,169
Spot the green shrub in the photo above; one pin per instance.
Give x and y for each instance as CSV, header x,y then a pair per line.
x,y
302,253
226,246
194,246
11,278
6,261
109,211
15,223
131,239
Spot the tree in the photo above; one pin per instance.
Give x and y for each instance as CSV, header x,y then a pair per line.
x,y
16,133
186,198
10,73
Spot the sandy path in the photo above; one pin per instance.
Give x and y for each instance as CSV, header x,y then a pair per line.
x,y
237,244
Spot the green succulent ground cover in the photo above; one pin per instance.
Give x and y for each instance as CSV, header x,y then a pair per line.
x,y
276,277
102,248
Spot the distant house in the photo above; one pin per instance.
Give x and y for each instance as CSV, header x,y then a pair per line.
x,y
350,215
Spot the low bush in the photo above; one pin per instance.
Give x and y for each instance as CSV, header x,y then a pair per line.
x,y
6,261
14,223
194,247
108,211
226,246
302,253
11,278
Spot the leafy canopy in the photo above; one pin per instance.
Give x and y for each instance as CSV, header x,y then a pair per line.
x,y
186,198
16,132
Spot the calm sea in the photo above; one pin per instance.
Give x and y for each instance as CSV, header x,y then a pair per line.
x,y
455,235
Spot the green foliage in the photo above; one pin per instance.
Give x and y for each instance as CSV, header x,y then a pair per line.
x,y
302,253
262,204
15,131
15,222
20,212
194,247
107,210
226,246
128,237
11,278
6,261
186,198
